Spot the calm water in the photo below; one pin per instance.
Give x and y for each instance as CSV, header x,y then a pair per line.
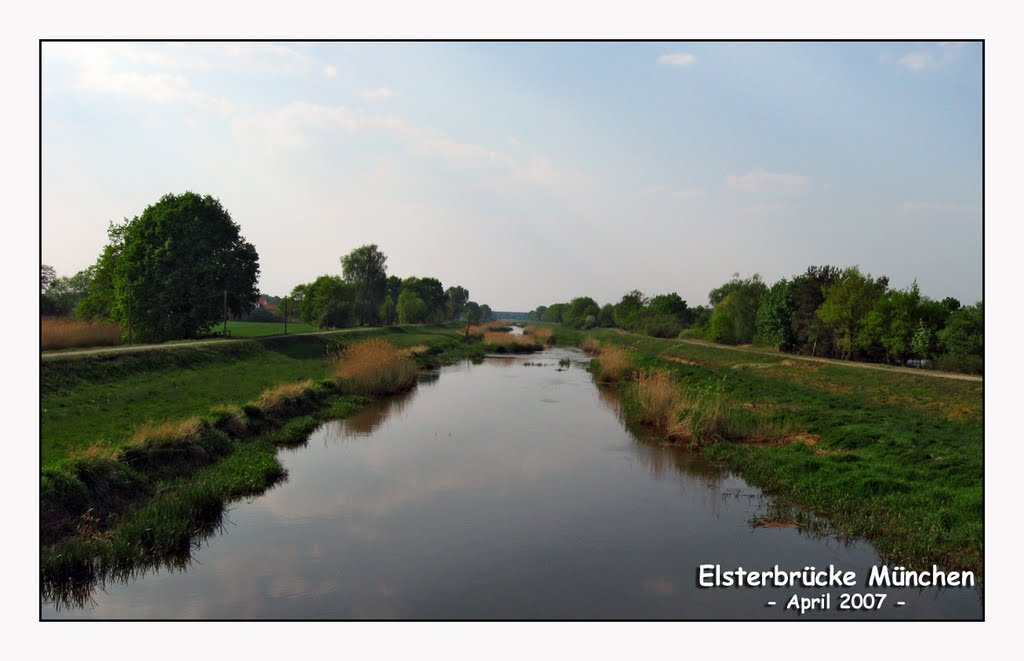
x,y
502,490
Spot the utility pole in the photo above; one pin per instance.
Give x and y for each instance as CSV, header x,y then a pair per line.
x,y
225,312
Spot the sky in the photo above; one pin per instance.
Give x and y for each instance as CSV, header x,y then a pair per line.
x,y
531,173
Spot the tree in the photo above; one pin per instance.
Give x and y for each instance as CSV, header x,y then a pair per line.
x,y
47,274
457,297
328,302
606,317
365,269
773,316
411,308
175,266
847,303
470,314
485,312
628,310
669,304
64,293
554,312
388,312
964,332
810,334
581,313
739,300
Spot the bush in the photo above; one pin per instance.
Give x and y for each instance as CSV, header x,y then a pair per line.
x,y
374,367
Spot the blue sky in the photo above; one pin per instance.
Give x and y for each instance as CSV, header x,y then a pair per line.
x,y
533,172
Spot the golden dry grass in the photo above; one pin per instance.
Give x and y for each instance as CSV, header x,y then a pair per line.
x,y
61,333
614,364
283,394
375,367
475,332
694,415
591,345
542,333
508,340
163,432
417,350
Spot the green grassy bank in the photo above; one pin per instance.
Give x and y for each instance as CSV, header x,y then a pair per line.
x,y
894,458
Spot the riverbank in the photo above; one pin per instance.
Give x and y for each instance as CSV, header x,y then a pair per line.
x,y
891,457
140,452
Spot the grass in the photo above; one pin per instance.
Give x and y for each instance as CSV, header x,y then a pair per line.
x,y
612,364
375,367
541,333
891,457
264,328
61,333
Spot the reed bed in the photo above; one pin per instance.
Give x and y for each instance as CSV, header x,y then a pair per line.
x,y
613,364
375,367
542,333
61,333
149,433
696,415
508,343
591,345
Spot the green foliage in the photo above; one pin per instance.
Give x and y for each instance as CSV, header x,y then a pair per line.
x,y
328,303
457,298
553,313
485,313
365,270
581,313
774,314
606,317
848,300
168,272
964,333
411,308
734,318
627,311
388,312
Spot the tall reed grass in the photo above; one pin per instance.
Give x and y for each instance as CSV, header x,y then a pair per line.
x,y
613,364
374,367
542,333
64,333
591,345
696,415
509,343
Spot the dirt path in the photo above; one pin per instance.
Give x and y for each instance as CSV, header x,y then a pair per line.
x,y
842,363
180,345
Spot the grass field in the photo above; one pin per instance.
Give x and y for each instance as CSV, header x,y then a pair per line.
x,y
892,457
264,328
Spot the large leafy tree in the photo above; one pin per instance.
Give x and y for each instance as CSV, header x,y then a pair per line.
x,y
847,303
173,269
581,313
457,298
734,318
328,302
773,316
365,270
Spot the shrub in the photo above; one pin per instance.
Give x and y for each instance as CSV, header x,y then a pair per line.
x,y
508,343
591,345
59,333
374,367
697,415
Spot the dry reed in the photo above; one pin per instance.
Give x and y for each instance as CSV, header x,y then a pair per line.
x,y
613,364
693,415
61,333
542,333
166,432
591,345
375,367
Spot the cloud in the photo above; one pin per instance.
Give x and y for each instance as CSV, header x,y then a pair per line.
x,y
931,57
379,94
677,59
761,182
159,87
330,71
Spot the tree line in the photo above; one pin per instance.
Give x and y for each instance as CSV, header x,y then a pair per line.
x,y
182,267
825,311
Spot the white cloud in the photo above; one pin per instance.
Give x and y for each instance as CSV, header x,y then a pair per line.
x,y
677,59
160,87
379,94
930,57
330,71
762,181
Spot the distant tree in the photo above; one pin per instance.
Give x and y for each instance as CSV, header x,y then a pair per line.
x,y
846,306
365,269
388,311
457,298
923,343
470,314
98,303
887,331
774,314
628,311
964,332
581,313
485,313
734,318
553,313
810,334
538,314
606,317
65,292
411,308
669,304
47,274
328,303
